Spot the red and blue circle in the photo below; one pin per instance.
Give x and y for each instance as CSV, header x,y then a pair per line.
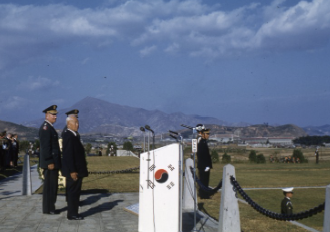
x,y
161,176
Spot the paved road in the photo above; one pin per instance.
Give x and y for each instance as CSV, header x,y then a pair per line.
x,y
102,212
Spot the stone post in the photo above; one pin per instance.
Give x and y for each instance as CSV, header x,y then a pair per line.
x,y
229,220
27,184
326,221
188,188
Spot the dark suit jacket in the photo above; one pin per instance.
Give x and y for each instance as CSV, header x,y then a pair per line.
x,y
49,147
203,155
74,159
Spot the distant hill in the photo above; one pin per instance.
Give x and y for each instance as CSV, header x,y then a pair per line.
x,y
98,116
23,132
288,130
318,130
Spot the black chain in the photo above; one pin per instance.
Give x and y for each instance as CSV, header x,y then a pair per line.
x,y
206,188
277,216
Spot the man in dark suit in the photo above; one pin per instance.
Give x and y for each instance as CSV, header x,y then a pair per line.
x,y
204,164
286,204
74,166
50,160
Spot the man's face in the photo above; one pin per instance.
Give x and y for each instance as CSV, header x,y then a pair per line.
x,y
51,118
206,135
73,124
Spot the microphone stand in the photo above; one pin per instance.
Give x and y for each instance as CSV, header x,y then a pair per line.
x,y
194,150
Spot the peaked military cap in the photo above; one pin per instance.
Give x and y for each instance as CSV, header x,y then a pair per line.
x,y
200,127
75,111
288,190
51,109
3,133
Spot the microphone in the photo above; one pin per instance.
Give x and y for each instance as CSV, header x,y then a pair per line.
x,y
189,127
174,137
149,129
173,132
142,129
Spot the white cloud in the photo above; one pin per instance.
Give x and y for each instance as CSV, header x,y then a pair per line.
x,y
14,102
38,83
147,50
188,26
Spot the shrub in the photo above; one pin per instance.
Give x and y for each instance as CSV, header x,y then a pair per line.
x,y
261,159
297,153
253,156
214,156
226,158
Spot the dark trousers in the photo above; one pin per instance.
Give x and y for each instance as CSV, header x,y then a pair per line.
x,y
73,189
204,178
49,193
15,159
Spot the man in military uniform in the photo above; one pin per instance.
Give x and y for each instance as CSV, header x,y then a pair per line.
x,y
50,160
2,155
70,113
15,149
204,164
8,150
286,204
74,166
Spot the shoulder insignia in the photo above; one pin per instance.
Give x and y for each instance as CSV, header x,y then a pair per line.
x,y
45,127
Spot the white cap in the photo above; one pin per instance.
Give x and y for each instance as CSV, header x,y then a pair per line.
x,y
288,190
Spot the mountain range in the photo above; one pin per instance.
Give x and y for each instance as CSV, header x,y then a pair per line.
x,y
101,117
98,116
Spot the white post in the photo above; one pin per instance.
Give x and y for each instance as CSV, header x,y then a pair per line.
x,y
27,184
188,188
326,221
229,220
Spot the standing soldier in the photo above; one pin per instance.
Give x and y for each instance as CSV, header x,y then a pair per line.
x,y
8,151
15,150
317,155
50,160
2,155
204,162
286,204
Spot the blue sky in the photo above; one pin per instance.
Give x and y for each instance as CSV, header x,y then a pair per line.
x,y
239,61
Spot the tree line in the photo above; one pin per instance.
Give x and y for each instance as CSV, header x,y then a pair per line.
x,y
312,140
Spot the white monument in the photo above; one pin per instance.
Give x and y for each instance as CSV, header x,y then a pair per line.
x,y
160,194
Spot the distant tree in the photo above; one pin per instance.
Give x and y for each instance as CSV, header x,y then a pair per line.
x,y
261,159
253,156
226,158
24,145
88,148
214,156
298,154
114,145
128,146
312,140
36,143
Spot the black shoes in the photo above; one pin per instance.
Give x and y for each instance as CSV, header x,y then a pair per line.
x,y
52,213
75,217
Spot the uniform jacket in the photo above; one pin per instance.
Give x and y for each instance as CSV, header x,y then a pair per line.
x,y
286,206
203,155
49,147
74,159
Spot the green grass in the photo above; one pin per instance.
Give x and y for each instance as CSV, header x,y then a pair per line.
x,y
269,175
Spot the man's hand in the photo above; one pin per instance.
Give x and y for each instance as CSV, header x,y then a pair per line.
x,y
74,175
207,169
51,166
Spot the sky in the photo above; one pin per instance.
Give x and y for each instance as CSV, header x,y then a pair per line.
x,y
238,61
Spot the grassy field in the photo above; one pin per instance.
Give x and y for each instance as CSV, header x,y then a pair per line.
x,y
269,175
